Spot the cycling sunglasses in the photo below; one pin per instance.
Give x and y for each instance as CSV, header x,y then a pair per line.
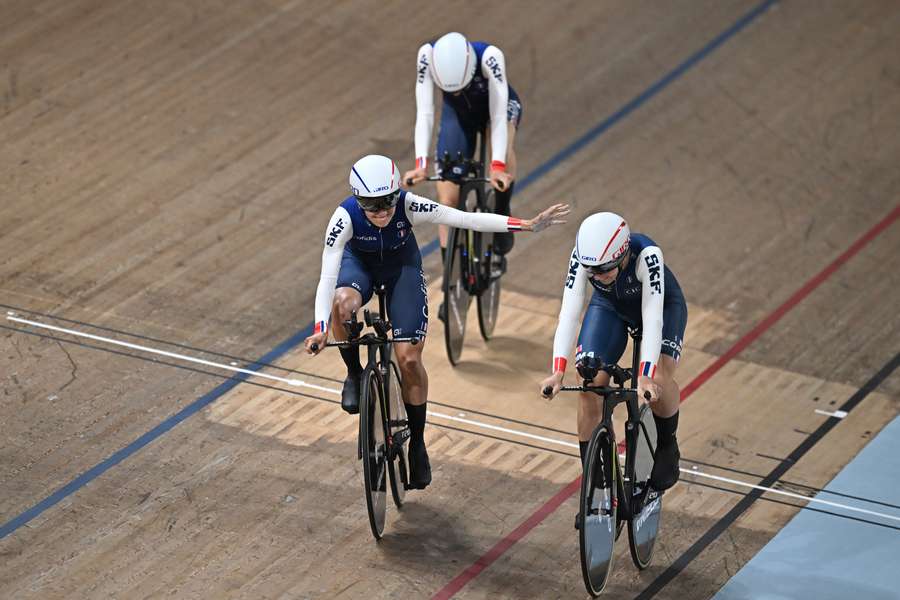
x,y
605,267
379,202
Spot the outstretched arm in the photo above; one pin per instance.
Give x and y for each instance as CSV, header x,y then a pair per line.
x,y
423,210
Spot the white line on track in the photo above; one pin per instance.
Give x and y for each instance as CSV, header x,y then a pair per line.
x,y
11,316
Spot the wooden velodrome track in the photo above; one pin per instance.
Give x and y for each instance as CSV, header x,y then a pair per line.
x,y
167,172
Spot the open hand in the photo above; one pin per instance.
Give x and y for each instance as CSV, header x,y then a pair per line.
x,y
549,216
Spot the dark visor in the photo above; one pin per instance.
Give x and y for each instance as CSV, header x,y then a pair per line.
x,y
378,203
605,267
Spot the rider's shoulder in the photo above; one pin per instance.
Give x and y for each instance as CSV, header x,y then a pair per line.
x,y
639,242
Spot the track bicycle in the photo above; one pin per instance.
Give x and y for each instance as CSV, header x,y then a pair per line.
x,y
471,268
383,425
611,496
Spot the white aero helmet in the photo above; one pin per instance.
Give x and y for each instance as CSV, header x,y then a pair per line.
x,y
453,62
602,242
375,181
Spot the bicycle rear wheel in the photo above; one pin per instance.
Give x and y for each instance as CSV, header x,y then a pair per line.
x,y
398,427
597,507
374,449
491,269
646,504
456,294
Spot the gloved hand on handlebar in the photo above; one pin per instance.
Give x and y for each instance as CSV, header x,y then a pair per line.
x,y
414,176
500,180
316,342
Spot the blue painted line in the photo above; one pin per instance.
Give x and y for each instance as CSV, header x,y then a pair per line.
x,y
297,338
191,409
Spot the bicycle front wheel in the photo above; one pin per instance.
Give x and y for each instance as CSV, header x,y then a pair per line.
x,y
456,294
398,428
646,503
597,511
372,433
491,269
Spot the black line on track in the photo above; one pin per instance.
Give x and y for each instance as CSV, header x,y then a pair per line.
x,y
800,506
682,562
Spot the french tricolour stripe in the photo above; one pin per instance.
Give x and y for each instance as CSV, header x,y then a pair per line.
x,y
513,224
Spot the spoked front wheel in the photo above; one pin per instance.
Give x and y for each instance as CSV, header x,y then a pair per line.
x,y
398,426
597,511
456,294
491,268
374,450
646,503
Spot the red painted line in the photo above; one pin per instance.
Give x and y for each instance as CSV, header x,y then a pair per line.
x,y
551,505
506,543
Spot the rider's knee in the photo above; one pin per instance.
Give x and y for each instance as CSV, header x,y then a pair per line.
x,y
345,302
409,362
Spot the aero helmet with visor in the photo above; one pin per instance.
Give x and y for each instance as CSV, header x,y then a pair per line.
x,y
453,62
375,181
602,243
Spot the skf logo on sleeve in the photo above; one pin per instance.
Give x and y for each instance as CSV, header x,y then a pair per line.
x,y
573,270
422,207
652,261
334,233
421,68
494,66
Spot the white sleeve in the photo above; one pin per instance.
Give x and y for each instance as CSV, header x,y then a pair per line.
x,y
422,210
337,234
493,67
424,105
651,273
572,303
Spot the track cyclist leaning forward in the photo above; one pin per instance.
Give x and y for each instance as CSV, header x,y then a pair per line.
x,y
476,92
368,242
632,288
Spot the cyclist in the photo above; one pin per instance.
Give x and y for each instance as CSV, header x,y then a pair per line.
x,y
632,287
472,77
369,241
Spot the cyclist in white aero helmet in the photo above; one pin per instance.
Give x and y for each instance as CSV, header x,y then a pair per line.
x,y
369,241
476,92
632,288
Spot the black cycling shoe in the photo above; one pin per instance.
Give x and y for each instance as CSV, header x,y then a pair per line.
x,y
498,266
665,467
503,242
442,312
419,466
350,395
578,520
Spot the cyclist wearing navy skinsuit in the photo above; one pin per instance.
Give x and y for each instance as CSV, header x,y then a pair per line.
x,y
368,242
632,288
476,93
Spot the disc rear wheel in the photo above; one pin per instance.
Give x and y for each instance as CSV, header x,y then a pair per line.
x,y
399,436
646,502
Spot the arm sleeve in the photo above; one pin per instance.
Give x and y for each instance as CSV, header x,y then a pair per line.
x,y
338,232
424,105
572,303
651,273
422,210
493,67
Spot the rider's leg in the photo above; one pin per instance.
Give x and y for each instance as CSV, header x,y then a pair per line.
x,y
352,290
347,301
407,304
665,410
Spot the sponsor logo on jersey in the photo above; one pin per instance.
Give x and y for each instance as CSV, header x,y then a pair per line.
x,y
366,238
573,270
422,207
334,233
652,261
422,67
494,65
401,224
